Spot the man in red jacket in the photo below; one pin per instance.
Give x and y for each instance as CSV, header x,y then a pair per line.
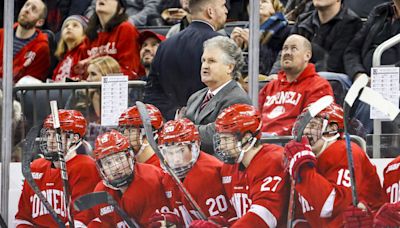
x,y
298,85
31,56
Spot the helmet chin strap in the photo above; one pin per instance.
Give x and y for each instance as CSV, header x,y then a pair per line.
x,y
326,141
71,152
142,143
252,140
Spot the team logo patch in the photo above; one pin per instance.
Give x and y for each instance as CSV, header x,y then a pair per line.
x,y
37,176
277,111
29,57
168,194
226,179
106,210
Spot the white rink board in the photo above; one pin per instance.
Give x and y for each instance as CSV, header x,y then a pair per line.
x,y
16,184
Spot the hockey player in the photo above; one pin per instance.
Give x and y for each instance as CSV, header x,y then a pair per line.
x,y
389,214
46,172
131,126
319,165
253,176
199,172
137,187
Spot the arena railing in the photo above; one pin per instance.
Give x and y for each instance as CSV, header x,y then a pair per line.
x,y
35,98
376,62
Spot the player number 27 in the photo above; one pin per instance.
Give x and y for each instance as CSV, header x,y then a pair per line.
x,y
269,182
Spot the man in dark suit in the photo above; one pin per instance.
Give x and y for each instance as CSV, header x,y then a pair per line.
x,y
222,61
175,71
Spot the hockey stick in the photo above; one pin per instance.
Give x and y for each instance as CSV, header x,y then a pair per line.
x,y
150,138
92,199
63,166
28,147
351,97
2,222
312,111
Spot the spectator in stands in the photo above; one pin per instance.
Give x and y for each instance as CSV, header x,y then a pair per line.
x,y
31,54
382,24
175,15
58,11
109,33
138,10
149,42
175,72
298,85
329,27
363,8
88,101
274,31
222,61
184,21
70,49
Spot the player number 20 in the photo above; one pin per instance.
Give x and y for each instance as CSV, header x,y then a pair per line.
x,y
269,182
217,205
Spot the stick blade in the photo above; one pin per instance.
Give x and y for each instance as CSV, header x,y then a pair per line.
x,y
90,200
320,105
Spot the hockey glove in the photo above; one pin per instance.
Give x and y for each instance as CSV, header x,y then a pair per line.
x,y
355,217
388,215
167,219
297,154
213,222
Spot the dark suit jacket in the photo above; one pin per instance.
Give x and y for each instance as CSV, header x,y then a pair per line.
x,y
231,94
175,71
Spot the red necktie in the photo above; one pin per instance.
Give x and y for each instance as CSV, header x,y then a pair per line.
x,y
208,97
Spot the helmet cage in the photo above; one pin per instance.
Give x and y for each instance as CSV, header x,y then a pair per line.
x,y
48,143
228,147
116,169
174,155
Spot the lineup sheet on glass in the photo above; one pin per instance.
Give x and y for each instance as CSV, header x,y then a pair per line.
x,y
385,80
114,98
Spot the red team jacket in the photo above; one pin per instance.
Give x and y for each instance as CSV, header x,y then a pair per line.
x,y
31,212
33,59
121,44
324,192
281,101
203,182
260,192
65,68
391,182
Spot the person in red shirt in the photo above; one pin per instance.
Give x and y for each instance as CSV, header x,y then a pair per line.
x,y
46,172
135,186
31,55
252,175
131,126
109,33
319,165
70,49
199,172
298,85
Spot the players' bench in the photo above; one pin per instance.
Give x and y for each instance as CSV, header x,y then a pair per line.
x,y
35,98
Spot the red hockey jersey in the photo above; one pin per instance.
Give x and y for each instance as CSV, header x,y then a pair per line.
x,y
145,195
260,192
154,160
391,182
324,192
33,59
281,101
65,68
121,44
31,212
203,182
